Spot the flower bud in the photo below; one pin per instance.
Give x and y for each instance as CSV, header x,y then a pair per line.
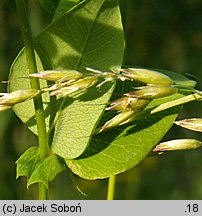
x,y
147,76
18,96
152,92
4,108
128,103
79,85
178,144
117,120
194,124
57,75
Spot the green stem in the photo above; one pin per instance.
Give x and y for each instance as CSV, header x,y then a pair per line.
x,y
42,192
38,104
173,103
111,187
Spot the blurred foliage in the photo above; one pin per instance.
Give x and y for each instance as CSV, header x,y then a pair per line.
x,y
159,34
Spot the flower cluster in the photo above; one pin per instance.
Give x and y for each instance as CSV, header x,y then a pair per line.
x,y
70,81
129,107
67,82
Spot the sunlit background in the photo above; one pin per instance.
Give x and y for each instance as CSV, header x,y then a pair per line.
x,y
159,34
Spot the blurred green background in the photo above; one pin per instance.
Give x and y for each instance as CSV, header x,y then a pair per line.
x,y
159,34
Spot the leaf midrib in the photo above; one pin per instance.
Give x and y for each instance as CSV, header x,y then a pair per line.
x,y
80,58
88,35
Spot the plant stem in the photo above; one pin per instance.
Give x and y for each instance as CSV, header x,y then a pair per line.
x,y
180,101
38,104
111,187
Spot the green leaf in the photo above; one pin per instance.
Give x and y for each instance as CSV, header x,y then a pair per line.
x,y
46,170
89,35
49,5
27,162
122,148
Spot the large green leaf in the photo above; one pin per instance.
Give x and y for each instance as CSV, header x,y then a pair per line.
x,y
89,35
120,149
